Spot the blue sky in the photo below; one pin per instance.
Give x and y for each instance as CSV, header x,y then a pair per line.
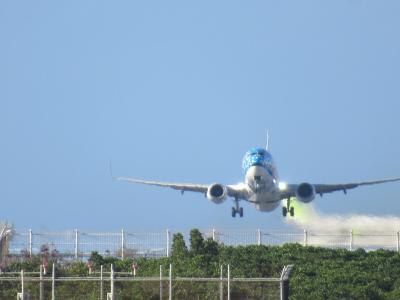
x,y
178,91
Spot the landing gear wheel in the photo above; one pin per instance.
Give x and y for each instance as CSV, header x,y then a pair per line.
x,y
236,209
284,211
291,211
233,212
241,212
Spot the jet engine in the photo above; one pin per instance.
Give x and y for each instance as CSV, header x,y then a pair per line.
x,y
305,192
217,193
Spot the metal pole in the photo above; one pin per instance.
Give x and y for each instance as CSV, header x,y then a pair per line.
x,y
398,241
258,237
168,236
22,285
284,282
41,283
76,244
305,237
122,243
351,240
112,281
161,289
30,242
170,282
221,284
53,277
282,289
229,282
101,283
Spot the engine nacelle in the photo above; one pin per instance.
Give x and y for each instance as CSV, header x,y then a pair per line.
x,y
305,192
217,193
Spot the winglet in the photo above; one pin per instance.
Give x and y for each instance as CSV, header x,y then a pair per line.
x,y
267,140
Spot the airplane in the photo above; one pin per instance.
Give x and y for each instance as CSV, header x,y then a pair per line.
x,y
261,186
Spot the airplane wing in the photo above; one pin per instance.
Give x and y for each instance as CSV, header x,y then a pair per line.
x,y
191,187
329,188
235,191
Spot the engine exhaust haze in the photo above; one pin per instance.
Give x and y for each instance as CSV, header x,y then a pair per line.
x,y
307,217
366,231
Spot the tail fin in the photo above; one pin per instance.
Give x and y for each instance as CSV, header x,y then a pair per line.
x,y
266,147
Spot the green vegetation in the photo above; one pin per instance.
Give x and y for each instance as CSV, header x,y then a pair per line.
x,y
319,273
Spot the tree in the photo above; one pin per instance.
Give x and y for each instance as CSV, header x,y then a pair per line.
x,y
96,259
211,247
179,249
196,242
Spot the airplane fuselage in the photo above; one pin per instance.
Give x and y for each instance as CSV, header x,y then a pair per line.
x,y
262,188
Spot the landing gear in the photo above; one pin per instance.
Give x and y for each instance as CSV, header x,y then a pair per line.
x,y
284,211
288,208
291,211
237,209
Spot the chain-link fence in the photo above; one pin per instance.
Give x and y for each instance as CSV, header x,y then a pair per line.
x,y
78,244
113,285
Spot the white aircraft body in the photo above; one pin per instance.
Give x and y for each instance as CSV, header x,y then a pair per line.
x,y
260,187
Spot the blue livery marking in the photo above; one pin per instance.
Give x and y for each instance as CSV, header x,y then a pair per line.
x,y
258,157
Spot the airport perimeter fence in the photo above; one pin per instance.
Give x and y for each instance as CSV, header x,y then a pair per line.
x,y
121,285
76,244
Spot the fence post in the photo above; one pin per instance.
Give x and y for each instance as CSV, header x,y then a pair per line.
x,y
112,282
305,237
170,282
258,236
76,244
221,284
122,243
30,242
22,285
161,288
110,295
284,282
41,282
101,283
168,237
53,279
398,241
229,282
351,240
